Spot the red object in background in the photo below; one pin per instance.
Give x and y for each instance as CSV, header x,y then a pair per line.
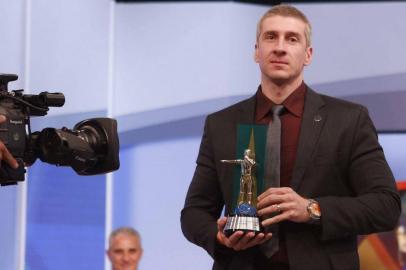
x,y
401,185
386,251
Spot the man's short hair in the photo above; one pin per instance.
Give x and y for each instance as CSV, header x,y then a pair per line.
x,y
124,230
287,11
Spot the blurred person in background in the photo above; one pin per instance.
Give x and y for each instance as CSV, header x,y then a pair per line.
x,y
125,250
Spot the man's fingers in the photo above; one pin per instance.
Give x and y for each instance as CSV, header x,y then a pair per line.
x,y
270,210
276,219
244,241
272,199
2,118
221,238
270,191
4,153
234,238
259,239
251,240
274,191
7,157
221,223
240,240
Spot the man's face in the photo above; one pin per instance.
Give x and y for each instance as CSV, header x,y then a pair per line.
x,y
125,252
281,50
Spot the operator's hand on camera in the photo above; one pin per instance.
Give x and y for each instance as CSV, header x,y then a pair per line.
x,y
239,240
280,204
4,153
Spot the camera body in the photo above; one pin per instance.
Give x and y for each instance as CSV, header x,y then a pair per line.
x,y
91,147
12,131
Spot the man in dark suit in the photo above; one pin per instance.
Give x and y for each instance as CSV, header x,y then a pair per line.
x,y
334,180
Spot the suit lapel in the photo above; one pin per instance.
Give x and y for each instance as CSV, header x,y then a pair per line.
x,y
314,117
247,111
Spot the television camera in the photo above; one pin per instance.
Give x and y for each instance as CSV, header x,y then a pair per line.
x,y
90,148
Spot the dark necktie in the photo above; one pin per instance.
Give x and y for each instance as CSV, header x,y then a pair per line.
x,y
272,176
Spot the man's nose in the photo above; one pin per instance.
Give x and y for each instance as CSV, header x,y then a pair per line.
x,y
126,256
280,46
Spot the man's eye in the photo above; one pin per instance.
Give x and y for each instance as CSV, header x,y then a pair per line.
x,y
293,39
270,36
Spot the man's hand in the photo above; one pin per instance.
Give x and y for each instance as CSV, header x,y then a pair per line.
x,y
285,203
239,240
4,153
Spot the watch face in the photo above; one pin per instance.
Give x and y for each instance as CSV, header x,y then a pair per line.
x,y
315,209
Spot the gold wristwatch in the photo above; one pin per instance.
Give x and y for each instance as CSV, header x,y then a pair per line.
x,y
314,211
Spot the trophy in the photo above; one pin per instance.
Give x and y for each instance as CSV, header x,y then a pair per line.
x,y
245,216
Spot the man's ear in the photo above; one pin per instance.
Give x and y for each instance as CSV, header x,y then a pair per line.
x,y
309,56
256,53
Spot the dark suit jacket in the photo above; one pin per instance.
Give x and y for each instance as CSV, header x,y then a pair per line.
x,y
339,163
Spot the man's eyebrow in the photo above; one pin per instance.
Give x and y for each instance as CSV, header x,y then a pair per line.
x,y
293,33
290,33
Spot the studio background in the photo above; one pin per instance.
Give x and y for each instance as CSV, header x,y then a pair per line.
x,y
159,69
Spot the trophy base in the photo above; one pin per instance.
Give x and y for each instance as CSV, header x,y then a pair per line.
x,y
242,223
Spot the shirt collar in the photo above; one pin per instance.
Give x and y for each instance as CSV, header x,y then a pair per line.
x,y
294,103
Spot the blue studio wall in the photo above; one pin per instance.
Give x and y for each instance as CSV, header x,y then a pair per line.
x,y
66,215
159,68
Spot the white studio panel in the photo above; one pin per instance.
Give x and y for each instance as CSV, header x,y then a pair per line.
x,y
394,146
355,40
12,61
242,27
178,53
152,197
69,52
169,54
12,39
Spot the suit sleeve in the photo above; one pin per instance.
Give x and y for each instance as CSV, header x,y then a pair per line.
x,y
204,201
375,203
